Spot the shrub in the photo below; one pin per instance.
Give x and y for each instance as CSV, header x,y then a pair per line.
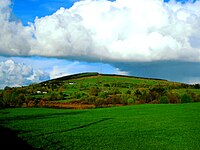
x,y
164,100
195,97
186,98
138,93
103,94
128,92
116,99
173,98
131,101
99,102
84,97
91,99
140,102
94,91
106,85
197,86
154,102
116,91
160,90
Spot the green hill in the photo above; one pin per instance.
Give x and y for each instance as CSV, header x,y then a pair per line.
x,y
98,90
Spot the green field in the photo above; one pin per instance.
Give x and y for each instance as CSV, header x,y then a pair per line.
x,y
148,126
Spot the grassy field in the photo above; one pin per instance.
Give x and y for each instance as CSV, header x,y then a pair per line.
x,y
148,126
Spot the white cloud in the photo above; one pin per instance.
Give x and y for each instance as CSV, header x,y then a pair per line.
x,y
15,74
192,80
14,37
80,67
123,30
118,71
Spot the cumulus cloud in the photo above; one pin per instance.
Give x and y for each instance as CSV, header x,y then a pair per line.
x,y
122,30
15,74
14,37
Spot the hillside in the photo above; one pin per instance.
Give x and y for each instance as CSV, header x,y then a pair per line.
x,y
90,90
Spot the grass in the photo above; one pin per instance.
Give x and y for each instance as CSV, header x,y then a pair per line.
x,y
99,90
83,85
183,91
130,127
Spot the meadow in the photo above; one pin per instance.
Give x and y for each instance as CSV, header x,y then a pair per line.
x,y
146,126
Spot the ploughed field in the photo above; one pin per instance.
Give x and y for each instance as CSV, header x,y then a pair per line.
x,y
147,126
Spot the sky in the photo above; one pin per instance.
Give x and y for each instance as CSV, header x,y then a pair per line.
x,y
46,39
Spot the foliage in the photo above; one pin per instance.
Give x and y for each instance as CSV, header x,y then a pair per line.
x,y
131,101
186,98
88,88
164,100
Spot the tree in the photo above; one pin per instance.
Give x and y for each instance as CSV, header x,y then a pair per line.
x,y
128,91
94,91
6,98
164,100
186,98
1,99
60,90
173,98
20,99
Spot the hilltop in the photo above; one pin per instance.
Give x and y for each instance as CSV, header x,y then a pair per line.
x,y
90,90
90,74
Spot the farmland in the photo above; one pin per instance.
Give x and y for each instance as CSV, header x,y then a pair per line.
x,y
167,119
93,90
147,126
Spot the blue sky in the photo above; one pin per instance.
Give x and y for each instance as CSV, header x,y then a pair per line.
x,y
73,40
27,10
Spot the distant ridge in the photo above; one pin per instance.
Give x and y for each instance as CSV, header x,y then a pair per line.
x,y
90,74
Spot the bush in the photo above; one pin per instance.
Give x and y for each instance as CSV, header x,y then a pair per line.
x,y
91,99
116,99
154,102
128,92
99,102
116,91
94,91
195,97
103,94
131,101
140,102
124,98
186,98
164,100
173,98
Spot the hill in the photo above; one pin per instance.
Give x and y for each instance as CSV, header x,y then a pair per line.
x,y
90,74
90,90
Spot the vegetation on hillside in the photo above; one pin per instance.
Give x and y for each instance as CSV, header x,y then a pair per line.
x,y
100,91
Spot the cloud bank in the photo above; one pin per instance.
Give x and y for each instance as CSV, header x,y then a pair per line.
x,y
119,31
186,72
14,74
